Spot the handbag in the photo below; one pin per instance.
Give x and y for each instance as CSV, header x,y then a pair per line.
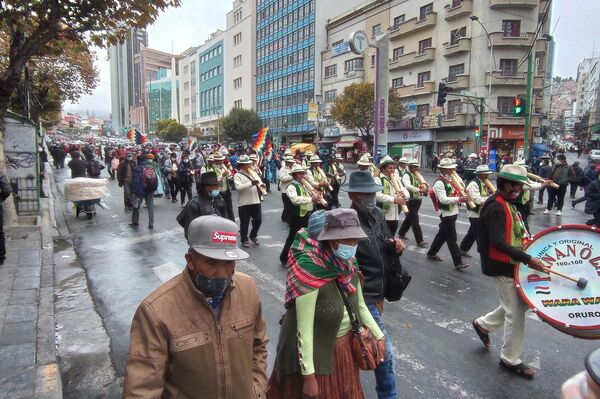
x,y
396,280
362,342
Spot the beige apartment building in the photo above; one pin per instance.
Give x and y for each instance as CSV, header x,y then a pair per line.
x,y
439,42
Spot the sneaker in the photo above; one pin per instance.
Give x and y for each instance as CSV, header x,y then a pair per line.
x,y
546,212
558,213
255,240
465,254
246,244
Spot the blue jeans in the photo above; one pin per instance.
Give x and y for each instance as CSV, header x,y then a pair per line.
x,y
385,375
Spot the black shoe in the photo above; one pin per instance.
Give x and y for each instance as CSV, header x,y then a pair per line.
x,y
150,226
134,225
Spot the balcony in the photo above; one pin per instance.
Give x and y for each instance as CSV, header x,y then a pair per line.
x,y
463,9
498,4
459,120
413,58
538,83
413,90
500,40
516,79
511,120
463,46
461,83
541,47
413,25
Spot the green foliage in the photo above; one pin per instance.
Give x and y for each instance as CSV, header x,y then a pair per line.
x,y
169,130
240,124
354,108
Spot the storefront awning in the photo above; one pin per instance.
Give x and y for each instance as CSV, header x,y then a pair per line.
x,y
347,141
328,140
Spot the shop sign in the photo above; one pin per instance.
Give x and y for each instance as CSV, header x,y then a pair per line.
x,y
411,108
427,122
313,112
507,132
331,131
308,138
410,136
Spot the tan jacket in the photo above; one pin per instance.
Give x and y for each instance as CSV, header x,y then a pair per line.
x,y
179,350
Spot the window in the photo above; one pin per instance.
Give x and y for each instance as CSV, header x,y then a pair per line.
x,y
511,28
186,69
398,20
457,34
398,82
330,95
376,30
237,104
424,45
373,60
186,118
422,78
397,53
456,3
237,16
237,61
428,9
505,105
186,85
330,71
422,110
508,66
193,67
237,38
454,71
237,83
454,107
337,43
186,102
355,64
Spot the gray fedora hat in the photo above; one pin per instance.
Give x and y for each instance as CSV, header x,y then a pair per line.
x,y
361,182
341,224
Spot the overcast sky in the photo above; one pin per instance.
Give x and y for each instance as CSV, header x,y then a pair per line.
x,y
575,26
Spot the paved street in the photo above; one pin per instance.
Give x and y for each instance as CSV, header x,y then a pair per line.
x,y
438,354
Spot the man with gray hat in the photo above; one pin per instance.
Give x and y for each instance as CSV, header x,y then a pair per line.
x,y
202,333
374,256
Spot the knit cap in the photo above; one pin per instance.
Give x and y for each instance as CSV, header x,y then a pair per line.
x,y
316,223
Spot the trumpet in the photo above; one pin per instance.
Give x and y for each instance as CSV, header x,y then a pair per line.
x,y
542,180
311,191
255,176
324,177
489,186
460,187
398,188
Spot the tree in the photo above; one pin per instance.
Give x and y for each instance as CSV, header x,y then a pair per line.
x,y
36,28
170,130
354,108
240,124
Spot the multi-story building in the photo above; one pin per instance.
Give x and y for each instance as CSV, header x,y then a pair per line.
x,y
240,66
188,87
288,35
125,78
588,94
211,72
160,98
442,43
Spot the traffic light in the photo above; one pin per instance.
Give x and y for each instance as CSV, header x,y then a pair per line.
x,y
477,132
443,90
518,107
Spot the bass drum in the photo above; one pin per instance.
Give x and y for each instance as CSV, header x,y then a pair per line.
x,y
573,250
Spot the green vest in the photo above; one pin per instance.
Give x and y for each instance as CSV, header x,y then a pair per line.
x,y
482,191
329,312
449,192
302,209
525,197
415,183
387,190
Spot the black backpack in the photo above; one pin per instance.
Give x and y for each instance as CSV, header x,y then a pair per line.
x,y
93,169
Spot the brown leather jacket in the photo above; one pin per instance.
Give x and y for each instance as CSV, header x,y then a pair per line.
x,y
179,349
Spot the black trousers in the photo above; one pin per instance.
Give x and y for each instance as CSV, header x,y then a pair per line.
x,y
228,204
335,200
446,234
246,213
556,195
287,208
174,188
392,225
573,190
186,189
296,223
541,194
472,235
412,220
2,243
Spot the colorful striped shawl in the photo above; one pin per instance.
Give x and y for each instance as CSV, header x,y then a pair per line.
x,y
311,267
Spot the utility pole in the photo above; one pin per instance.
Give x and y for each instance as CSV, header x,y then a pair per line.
x,y
478,145
528,105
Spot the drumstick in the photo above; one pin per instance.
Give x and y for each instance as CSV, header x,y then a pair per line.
x,y
581,282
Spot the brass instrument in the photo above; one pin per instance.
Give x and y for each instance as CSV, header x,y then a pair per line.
x,y
489,186
398,186
324,177
460,187
311,191
542,180
255,176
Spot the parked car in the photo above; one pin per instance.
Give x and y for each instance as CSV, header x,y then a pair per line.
x,y
594,155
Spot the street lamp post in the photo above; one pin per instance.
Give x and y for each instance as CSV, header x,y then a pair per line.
x,y
487,144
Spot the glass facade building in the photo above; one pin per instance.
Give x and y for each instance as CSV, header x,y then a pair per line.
x,y
159,99
211,80
285,64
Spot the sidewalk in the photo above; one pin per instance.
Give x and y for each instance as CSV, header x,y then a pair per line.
x,y
28,362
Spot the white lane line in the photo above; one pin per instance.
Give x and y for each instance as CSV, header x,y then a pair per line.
x,y
167,271
126,241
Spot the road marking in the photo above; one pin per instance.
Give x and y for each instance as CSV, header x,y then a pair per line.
x,y
167,271
136,240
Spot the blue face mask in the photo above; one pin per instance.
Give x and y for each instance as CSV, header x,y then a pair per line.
x,y
345,252
212,287
215,193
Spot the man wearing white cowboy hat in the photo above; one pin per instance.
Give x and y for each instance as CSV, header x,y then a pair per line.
x,y
248,201
478,192
285,178
364,164
389,198
318,180
416,190
522,203
336,171
302,207
306,159
224,174
402,167
448,199
501,249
